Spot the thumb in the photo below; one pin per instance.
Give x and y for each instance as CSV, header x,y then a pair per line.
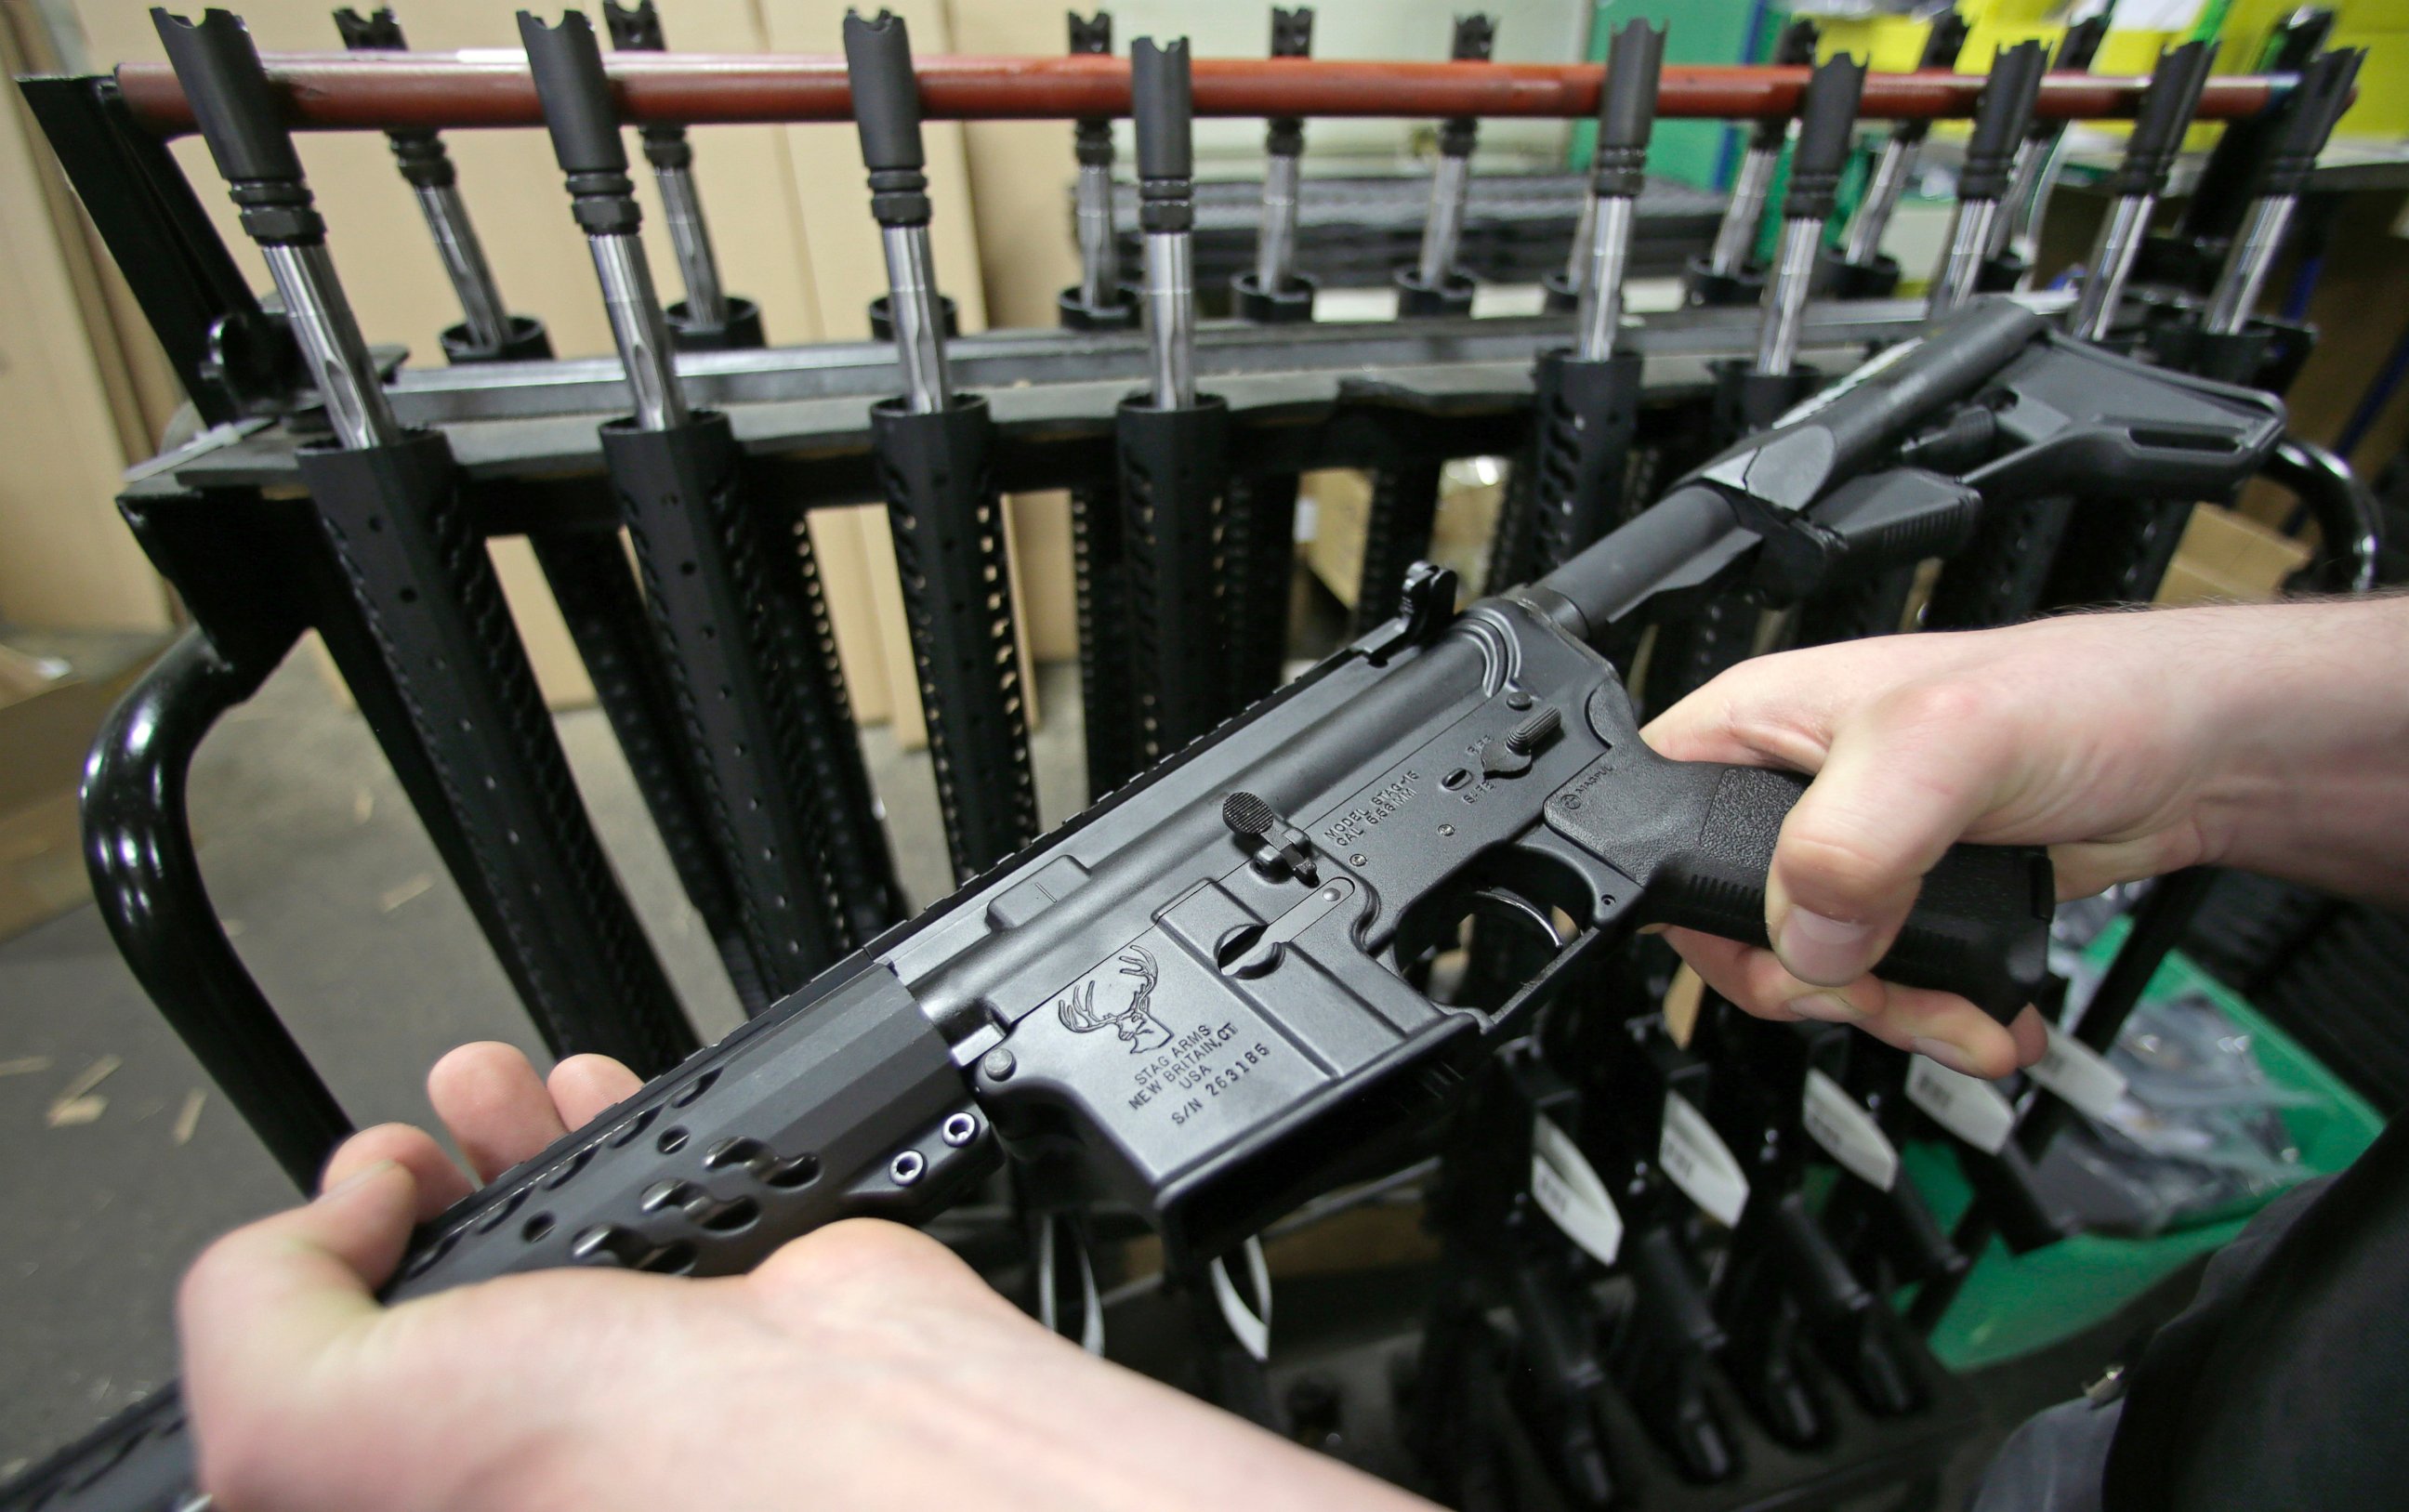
x,y
1900,784
269,1301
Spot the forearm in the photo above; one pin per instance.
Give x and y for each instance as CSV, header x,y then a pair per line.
x,y
2312,725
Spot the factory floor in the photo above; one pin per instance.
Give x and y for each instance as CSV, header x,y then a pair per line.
x,y
339,908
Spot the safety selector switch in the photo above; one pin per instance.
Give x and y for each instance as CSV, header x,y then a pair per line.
x,y
1279,848
1512,755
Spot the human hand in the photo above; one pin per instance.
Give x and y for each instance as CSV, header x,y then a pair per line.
x,y
860,1366
2106,737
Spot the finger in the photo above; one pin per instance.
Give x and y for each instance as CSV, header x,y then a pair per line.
x,y
584,1086
2086,869
1780,710
870,1268
1940,1025
267,1301
439,1181
1754,979
2031,1035
1900,784
495,1105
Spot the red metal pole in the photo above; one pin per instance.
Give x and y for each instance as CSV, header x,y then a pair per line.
x,y
379,91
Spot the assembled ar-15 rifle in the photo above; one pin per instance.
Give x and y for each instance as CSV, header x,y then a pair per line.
x,y
1199,996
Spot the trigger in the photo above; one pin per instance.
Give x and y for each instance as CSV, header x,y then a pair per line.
x,y
1514,902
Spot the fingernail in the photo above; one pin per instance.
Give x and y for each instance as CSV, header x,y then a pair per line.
x,y
1825,1008
1949,1053
1823,950
358,1178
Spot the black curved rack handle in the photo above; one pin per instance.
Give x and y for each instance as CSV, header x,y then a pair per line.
x,y
145,878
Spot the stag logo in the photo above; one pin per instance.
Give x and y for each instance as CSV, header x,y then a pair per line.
x,y
1135,1022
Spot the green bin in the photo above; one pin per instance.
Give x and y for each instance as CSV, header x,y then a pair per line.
x,y
2014,1304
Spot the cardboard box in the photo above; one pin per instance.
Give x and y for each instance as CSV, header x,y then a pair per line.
x,y
2227,557
1336,504
48,715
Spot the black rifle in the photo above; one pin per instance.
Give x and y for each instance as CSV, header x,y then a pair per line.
x,y
397,527
1100,301
1664,1343
1728,273
1986,179
1782,1262
1877,604
943,507
741,628
1503,1251
1587,407
708,319
1405,499
586,568
1196,992
1434,285
487,332
2035,161
1748,396
1259,523
1859,269
1174,443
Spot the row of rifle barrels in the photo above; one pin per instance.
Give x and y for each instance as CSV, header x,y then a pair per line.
x,y
353,92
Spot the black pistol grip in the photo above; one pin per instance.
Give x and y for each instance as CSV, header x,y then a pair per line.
x,y
1979,927
1698,839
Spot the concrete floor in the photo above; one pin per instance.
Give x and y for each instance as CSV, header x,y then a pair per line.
x,y
341,911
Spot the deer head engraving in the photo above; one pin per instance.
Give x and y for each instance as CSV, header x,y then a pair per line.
x,y
1135,1022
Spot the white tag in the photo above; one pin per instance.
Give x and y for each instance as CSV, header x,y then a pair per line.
x,y
1700,1163
2078,1074
1568,1190
1253,1334
1848,1132
514,57
1968,1106
1091,1305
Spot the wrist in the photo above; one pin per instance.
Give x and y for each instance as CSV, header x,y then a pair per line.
x,y
2304,734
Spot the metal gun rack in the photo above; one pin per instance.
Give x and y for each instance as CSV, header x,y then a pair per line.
x,y
227,519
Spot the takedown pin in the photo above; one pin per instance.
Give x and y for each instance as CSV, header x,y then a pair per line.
x,y
1280,849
